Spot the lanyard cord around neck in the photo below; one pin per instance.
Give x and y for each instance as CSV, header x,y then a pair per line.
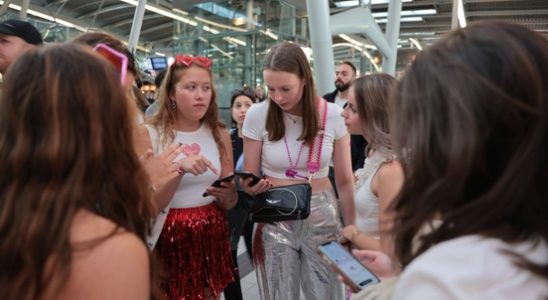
x,y
314,155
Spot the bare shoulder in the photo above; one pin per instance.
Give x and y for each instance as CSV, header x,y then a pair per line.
x,y
390,171
225,135
142,140
388,180
117,267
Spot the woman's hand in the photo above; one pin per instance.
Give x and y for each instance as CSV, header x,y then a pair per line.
x,y
159,168
348,234
226,195
195,165
377,262
262,186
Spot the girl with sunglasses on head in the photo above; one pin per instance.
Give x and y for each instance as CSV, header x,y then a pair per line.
x,y
278,135
190,233
92,39
73,200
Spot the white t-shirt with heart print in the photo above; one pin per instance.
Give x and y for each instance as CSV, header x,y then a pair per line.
x,y
191,188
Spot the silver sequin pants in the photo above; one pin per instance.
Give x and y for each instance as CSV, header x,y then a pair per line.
x,y
286,257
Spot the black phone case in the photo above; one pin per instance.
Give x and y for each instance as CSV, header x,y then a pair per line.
x,y
246,175
217,183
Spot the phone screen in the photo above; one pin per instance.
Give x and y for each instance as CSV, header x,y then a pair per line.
x,y
349,266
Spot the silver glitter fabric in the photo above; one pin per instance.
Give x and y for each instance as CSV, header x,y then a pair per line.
x,y
286,257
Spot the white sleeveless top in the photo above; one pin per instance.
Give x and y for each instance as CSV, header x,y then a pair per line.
x,y
367,204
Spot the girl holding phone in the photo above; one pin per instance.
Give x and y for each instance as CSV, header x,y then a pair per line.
x,y
188,114
277,138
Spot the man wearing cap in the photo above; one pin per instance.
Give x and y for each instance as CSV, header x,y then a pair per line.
x,y
16,37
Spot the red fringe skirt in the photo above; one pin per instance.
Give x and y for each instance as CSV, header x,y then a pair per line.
x,y
195,252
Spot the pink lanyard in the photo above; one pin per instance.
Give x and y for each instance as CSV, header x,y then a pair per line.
x,y
314,155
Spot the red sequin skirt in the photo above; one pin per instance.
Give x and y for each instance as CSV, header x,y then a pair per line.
x,y
195,252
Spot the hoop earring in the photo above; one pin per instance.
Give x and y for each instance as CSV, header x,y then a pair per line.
x,y
173,105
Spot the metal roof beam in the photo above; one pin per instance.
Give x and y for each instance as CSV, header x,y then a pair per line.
x,y
107,9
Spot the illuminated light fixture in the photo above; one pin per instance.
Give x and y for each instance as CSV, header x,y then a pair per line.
x,y
169,14
407,13
47,17
355,42
219,24
416,43
375,63
164,12
270,34
404,19
356,2
238,21
460,14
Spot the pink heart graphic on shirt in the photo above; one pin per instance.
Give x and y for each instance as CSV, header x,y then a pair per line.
x,y
191,150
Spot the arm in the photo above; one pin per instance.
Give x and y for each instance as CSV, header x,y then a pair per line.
x,y
163,175
226,195
386,184
252,163
252,155
360,239
344,178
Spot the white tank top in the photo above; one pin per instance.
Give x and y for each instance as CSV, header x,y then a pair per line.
x,y
367,204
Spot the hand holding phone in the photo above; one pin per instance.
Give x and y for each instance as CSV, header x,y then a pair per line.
x,y
244,175
353,271
217,183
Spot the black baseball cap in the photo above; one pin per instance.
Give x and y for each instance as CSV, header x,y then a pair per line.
x,y
22,29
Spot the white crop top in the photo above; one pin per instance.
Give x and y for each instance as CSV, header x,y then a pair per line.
x,y
190,189
274,155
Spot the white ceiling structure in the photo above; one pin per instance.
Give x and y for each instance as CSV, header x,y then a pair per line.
x,y
423,21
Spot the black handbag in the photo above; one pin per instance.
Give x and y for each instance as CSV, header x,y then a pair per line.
x,y
290,202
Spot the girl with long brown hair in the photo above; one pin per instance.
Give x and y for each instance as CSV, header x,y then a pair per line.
x,y
381,177
74,207
190,233
278,135
471,119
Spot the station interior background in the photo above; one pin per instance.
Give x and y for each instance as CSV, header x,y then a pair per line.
x,y
236,34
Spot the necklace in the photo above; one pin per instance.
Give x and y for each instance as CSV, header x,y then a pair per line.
x,y
292,170
291,118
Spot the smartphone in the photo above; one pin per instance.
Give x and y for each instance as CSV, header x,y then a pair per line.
x,y
347,265
217,183
245,175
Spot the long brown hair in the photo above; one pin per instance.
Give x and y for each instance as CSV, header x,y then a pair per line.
x,y
471,114
288,57
165,117
371,93
65,145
